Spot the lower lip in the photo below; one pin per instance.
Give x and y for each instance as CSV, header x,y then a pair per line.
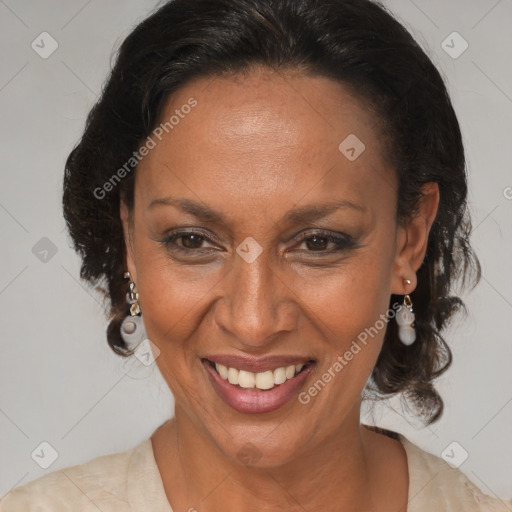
x,y
255,401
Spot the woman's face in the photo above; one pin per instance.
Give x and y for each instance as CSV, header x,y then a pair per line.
x,y
252,181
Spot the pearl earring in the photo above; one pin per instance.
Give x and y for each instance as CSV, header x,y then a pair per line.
x,y
133,330
405,320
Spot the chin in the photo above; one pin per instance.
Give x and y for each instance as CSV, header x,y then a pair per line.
x,y
264,445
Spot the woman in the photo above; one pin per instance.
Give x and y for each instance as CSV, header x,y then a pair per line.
x,y
275,195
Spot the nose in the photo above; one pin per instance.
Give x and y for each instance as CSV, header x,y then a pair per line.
x,y
256,304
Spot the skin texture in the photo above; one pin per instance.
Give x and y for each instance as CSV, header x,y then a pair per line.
x,y
256,146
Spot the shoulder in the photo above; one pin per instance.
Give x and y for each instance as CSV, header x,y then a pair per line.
x,y
100,483
435,485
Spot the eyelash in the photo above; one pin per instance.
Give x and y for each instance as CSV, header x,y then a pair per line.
x,y
342,242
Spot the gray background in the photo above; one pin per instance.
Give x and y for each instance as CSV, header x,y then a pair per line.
x,y
59,381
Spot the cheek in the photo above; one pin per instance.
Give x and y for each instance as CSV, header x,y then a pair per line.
x,y
352,299
174,302
353,332
171,309
350,309
171,306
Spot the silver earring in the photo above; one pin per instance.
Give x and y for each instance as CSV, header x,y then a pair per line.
x,y
405,320
133,330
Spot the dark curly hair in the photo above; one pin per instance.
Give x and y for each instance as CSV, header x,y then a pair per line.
x,y
355,42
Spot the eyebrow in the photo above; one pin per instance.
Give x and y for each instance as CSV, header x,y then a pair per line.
x,y
297,215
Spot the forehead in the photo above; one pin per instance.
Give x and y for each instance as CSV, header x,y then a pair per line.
x,y
265,137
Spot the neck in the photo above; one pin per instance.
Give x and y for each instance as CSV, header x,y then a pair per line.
x,y
196,474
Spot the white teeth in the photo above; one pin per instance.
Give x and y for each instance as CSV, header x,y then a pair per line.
x,y
263,380
280,375
223,371
233,376
290,371
246,379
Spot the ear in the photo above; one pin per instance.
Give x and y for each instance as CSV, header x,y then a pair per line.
x,y
412,241
127,221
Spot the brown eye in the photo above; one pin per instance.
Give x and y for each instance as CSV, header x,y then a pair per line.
x,y
191,241
316,243
324,243
188,242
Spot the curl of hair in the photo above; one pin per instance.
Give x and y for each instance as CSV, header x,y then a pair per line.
x,y
355,42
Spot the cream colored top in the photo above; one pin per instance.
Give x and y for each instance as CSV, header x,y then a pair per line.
x,y
129,481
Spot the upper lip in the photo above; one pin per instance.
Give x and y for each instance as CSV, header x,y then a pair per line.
x,y
257,364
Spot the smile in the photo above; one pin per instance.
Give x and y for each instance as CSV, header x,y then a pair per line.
x,y
262,380
254,392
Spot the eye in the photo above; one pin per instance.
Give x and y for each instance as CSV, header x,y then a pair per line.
x,y
192,242
188,242
319,242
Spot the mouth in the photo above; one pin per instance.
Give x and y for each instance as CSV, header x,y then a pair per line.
x,y
264,380
253,392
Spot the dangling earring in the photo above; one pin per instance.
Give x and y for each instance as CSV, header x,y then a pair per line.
x,y
133,330
405,320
